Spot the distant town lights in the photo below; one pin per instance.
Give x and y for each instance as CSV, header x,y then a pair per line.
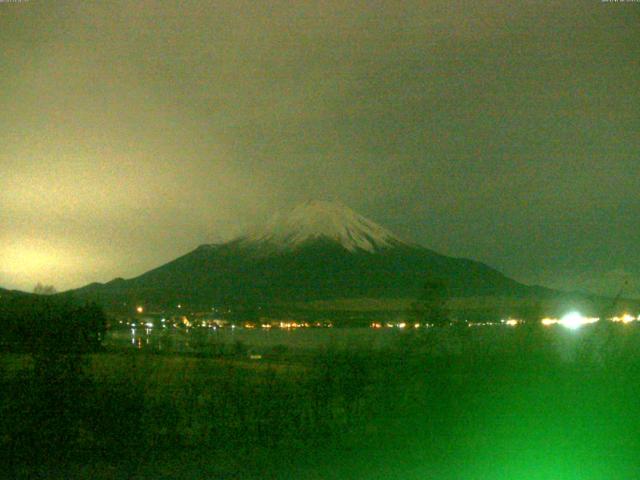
x,y
140,309
626,318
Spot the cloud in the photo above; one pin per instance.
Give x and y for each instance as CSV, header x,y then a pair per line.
x,y
135,131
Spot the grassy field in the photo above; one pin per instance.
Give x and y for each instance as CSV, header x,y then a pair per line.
x,y
524,403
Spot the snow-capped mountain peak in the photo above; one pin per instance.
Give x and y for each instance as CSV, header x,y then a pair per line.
x,y
327,220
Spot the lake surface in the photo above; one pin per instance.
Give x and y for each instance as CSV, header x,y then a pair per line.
x,y
568,343
202,339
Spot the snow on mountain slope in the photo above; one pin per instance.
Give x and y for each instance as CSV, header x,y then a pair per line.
x,y
328,220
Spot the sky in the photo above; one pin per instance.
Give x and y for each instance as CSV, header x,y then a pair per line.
x,y
507,132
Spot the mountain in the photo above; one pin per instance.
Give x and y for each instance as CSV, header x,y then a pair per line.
x,y
316,251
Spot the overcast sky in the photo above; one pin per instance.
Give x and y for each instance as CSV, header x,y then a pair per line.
x,y
133,131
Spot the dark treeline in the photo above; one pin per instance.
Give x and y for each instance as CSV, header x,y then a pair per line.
x,y
39,421
39,324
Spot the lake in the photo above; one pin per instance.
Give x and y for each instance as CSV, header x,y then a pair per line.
x,y
490,338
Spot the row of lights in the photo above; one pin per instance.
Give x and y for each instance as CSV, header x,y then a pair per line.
x,y
575,320
401,325
140,308
572,321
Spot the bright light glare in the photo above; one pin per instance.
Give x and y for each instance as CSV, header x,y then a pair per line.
x,y
549,321
626,318
574,320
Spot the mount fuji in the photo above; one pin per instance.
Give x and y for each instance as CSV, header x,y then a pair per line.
x,y
316,251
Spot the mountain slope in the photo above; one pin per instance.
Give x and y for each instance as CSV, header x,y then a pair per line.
x,y
318,250
7,294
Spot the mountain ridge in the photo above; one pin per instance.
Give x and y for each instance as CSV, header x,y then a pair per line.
x,y
316,251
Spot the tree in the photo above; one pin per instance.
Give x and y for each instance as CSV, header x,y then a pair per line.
x,y
41,289
431,305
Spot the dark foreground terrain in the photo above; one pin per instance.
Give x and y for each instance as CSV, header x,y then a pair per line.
x,y
452,403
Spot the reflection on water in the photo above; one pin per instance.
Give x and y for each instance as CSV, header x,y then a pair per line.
x,y
255,342
209,340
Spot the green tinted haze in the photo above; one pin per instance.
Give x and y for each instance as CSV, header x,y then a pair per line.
x,y
133,131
